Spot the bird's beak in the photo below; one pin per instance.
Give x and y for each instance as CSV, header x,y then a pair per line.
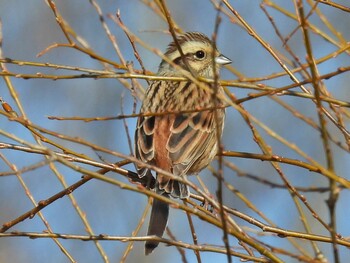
x,y
222,60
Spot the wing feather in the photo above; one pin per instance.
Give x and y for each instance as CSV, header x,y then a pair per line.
x,y
191,140
144,148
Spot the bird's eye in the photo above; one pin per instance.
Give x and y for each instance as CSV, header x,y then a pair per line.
x,y
200,54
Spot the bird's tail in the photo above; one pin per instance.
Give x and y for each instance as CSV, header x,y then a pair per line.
x,y
157,223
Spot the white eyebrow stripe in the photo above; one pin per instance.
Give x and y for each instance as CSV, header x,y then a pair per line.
x,y
188,47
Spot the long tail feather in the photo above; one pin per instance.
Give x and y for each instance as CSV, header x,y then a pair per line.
x,y
157,223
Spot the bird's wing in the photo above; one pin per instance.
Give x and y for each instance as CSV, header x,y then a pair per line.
x,y
144,147
191,146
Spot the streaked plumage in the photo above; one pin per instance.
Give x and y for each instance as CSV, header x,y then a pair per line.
x,y
182,143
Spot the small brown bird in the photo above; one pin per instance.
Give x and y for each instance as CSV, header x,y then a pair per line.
x,y
179,143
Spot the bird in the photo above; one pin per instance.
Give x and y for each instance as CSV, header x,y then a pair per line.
x,y
179,137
